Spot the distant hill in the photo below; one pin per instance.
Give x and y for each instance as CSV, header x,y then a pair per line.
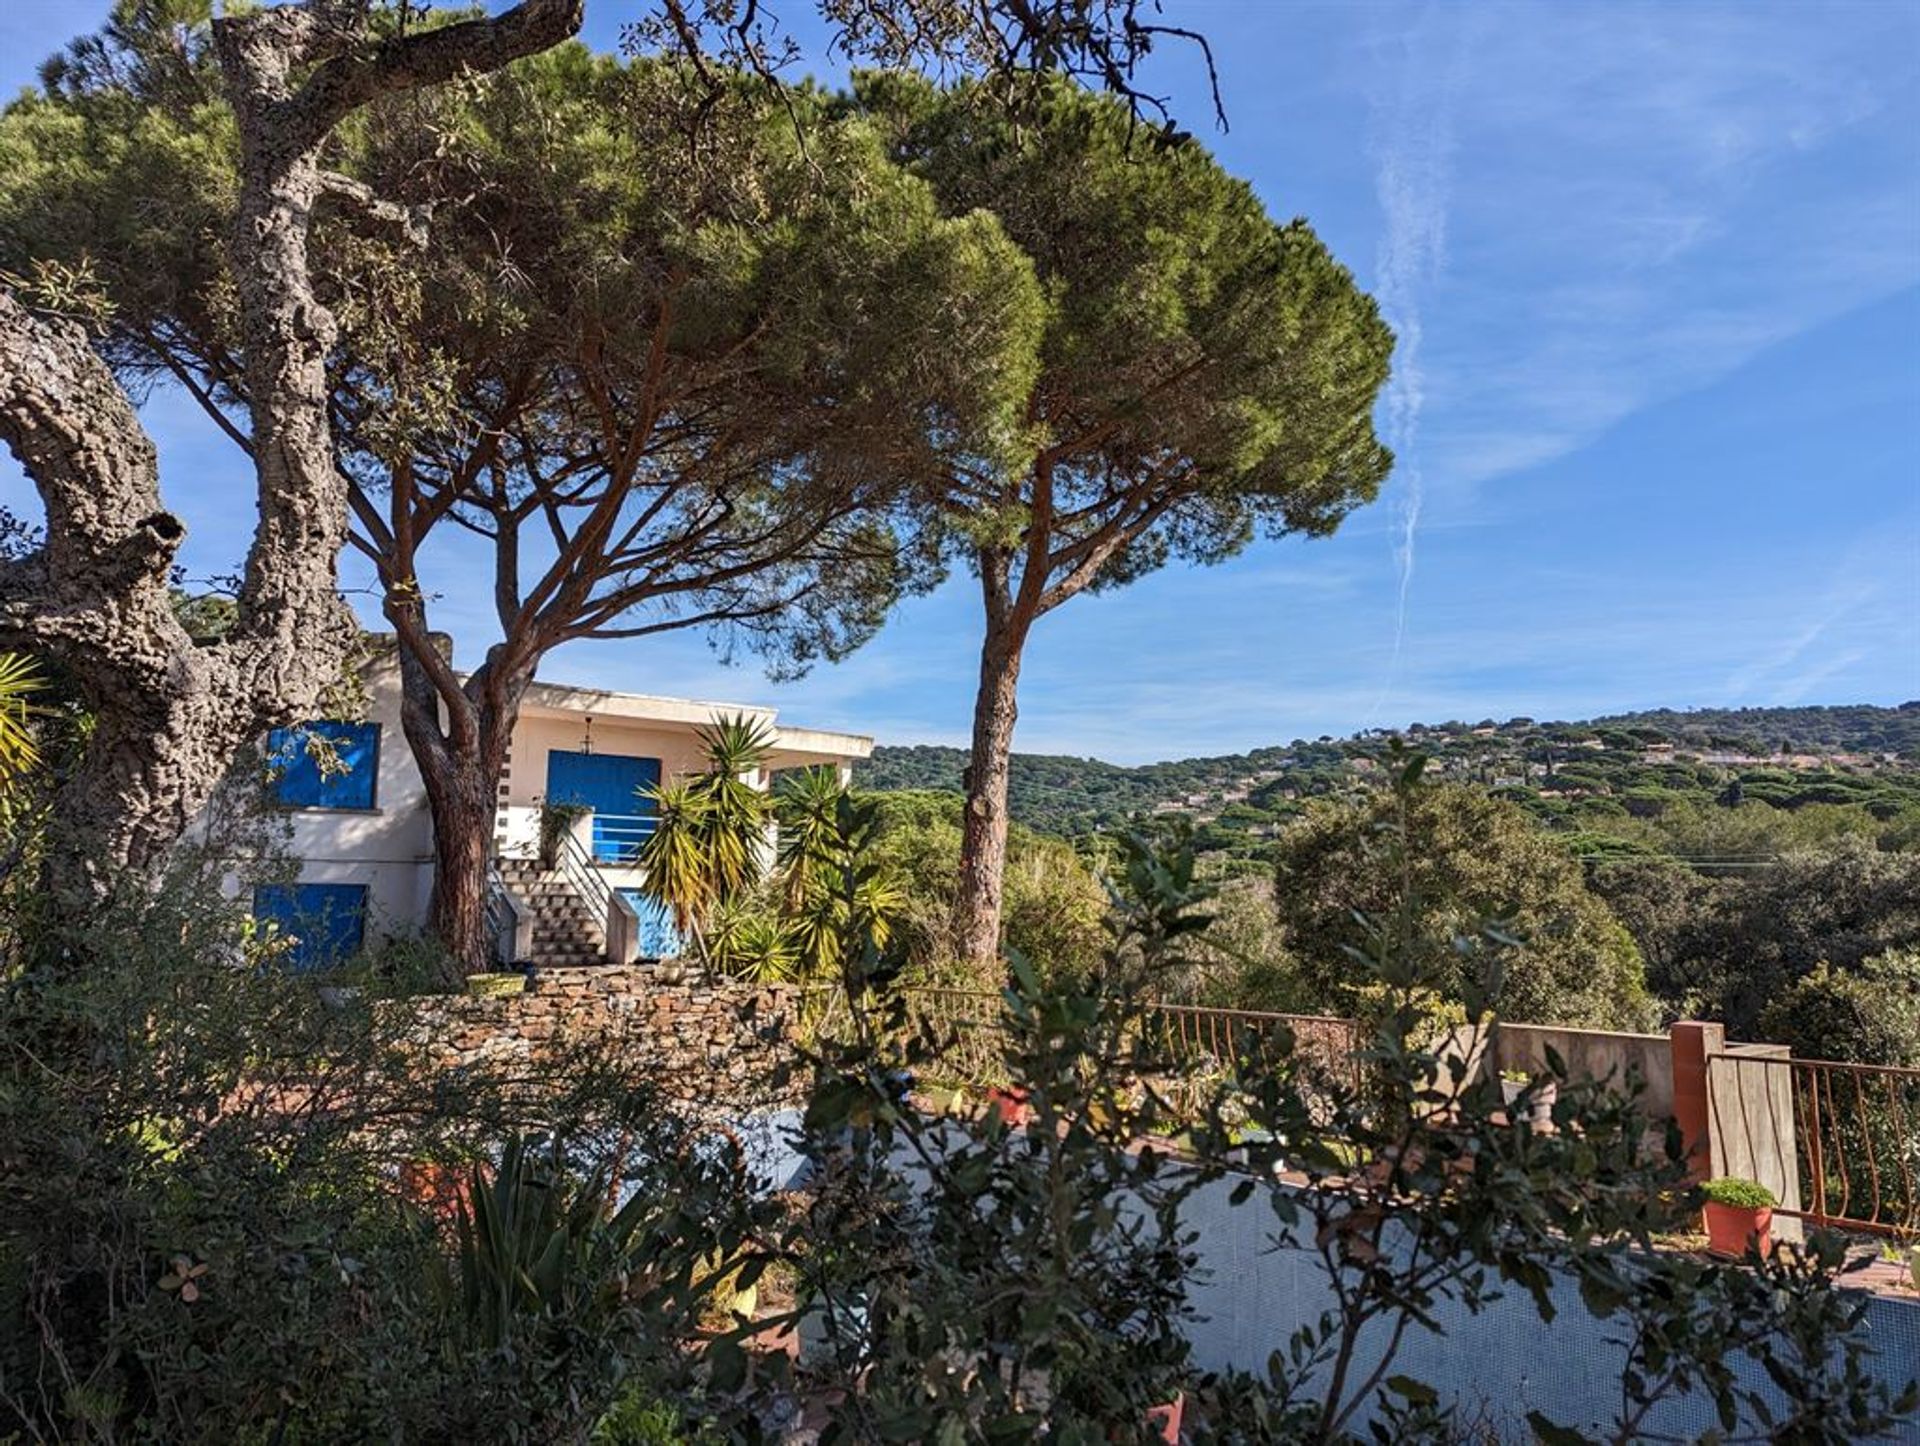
x,y
1631,762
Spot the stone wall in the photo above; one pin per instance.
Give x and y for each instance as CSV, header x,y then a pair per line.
x,y
712,1045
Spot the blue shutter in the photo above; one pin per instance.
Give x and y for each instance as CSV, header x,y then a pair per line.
x,y
327,923
298,781
611,785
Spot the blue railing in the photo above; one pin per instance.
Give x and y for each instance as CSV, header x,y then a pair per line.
x,y
618,837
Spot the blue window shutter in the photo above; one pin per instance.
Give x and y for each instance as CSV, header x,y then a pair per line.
x,y
610,784
298,780
326,923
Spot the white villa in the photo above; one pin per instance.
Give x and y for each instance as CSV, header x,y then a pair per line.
x,y
363,835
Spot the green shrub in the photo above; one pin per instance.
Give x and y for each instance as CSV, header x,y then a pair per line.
x,y
1866,1015
203,1234
1741,1194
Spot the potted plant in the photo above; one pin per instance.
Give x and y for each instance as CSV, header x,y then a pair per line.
x,y
556,822
1165,1421
1513,1083
1739,1216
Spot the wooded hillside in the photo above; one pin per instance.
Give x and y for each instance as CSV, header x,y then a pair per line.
x,y
1597,779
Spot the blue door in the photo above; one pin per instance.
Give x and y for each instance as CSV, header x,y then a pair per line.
x,y
326,923
610,784
658,938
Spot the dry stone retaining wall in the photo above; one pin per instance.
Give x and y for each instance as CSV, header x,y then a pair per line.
x,y
709,1044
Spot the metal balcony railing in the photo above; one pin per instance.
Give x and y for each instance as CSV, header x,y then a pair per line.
x,y
619,837
1186,1038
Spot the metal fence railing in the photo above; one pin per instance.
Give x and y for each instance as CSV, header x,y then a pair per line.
x,y
1185,1040
581,871
619,837
1855,1134
1858,1127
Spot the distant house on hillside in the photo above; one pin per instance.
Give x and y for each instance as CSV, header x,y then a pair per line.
x,y
362,834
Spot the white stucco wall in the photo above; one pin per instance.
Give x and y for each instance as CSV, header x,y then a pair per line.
x,y
388,848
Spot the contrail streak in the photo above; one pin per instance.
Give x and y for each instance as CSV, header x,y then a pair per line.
x,y
1413,146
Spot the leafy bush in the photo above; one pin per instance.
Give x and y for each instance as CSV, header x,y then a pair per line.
x,y
1054,907
975,1281
1741,1194
1469,859
1870,1015
202,1213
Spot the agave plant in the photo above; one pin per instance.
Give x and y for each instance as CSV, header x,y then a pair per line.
x,y
534,1242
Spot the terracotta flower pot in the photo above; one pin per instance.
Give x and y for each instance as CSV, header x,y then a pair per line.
x,y
1166,1420
1732,1228
1011,1105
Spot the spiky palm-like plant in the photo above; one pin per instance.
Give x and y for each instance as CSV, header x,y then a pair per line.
x,y
19,681
707,849
735,809
836,888
747,939
808,808
674,855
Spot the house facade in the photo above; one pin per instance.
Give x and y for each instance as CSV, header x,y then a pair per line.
x,y
361,832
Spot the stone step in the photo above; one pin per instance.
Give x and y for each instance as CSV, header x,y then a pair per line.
x,y
555,959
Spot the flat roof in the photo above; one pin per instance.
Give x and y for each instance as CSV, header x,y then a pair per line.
x,y
789,739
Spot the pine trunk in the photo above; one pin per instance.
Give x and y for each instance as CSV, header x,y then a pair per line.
x,y
460,764
983,844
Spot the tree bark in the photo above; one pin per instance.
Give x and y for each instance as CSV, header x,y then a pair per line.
x,y
95,596
983,844
171,715
460,763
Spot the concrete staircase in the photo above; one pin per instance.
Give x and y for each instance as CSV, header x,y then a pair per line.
x,y
565,930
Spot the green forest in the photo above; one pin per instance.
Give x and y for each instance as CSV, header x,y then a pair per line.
x,y
1607,783
1760,867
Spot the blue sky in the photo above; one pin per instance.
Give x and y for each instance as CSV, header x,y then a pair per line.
x,y
1656,273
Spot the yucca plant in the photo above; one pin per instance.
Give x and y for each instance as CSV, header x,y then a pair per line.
x,y
747,939
707,849
837,887
808,808
674,855
737,810
20,680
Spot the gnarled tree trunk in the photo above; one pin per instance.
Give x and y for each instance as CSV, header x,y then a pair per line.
x,y
95,596
172,715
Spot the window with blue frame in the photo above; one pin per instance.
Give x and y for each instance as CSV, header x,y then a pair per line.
x,y
324,764
321,925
